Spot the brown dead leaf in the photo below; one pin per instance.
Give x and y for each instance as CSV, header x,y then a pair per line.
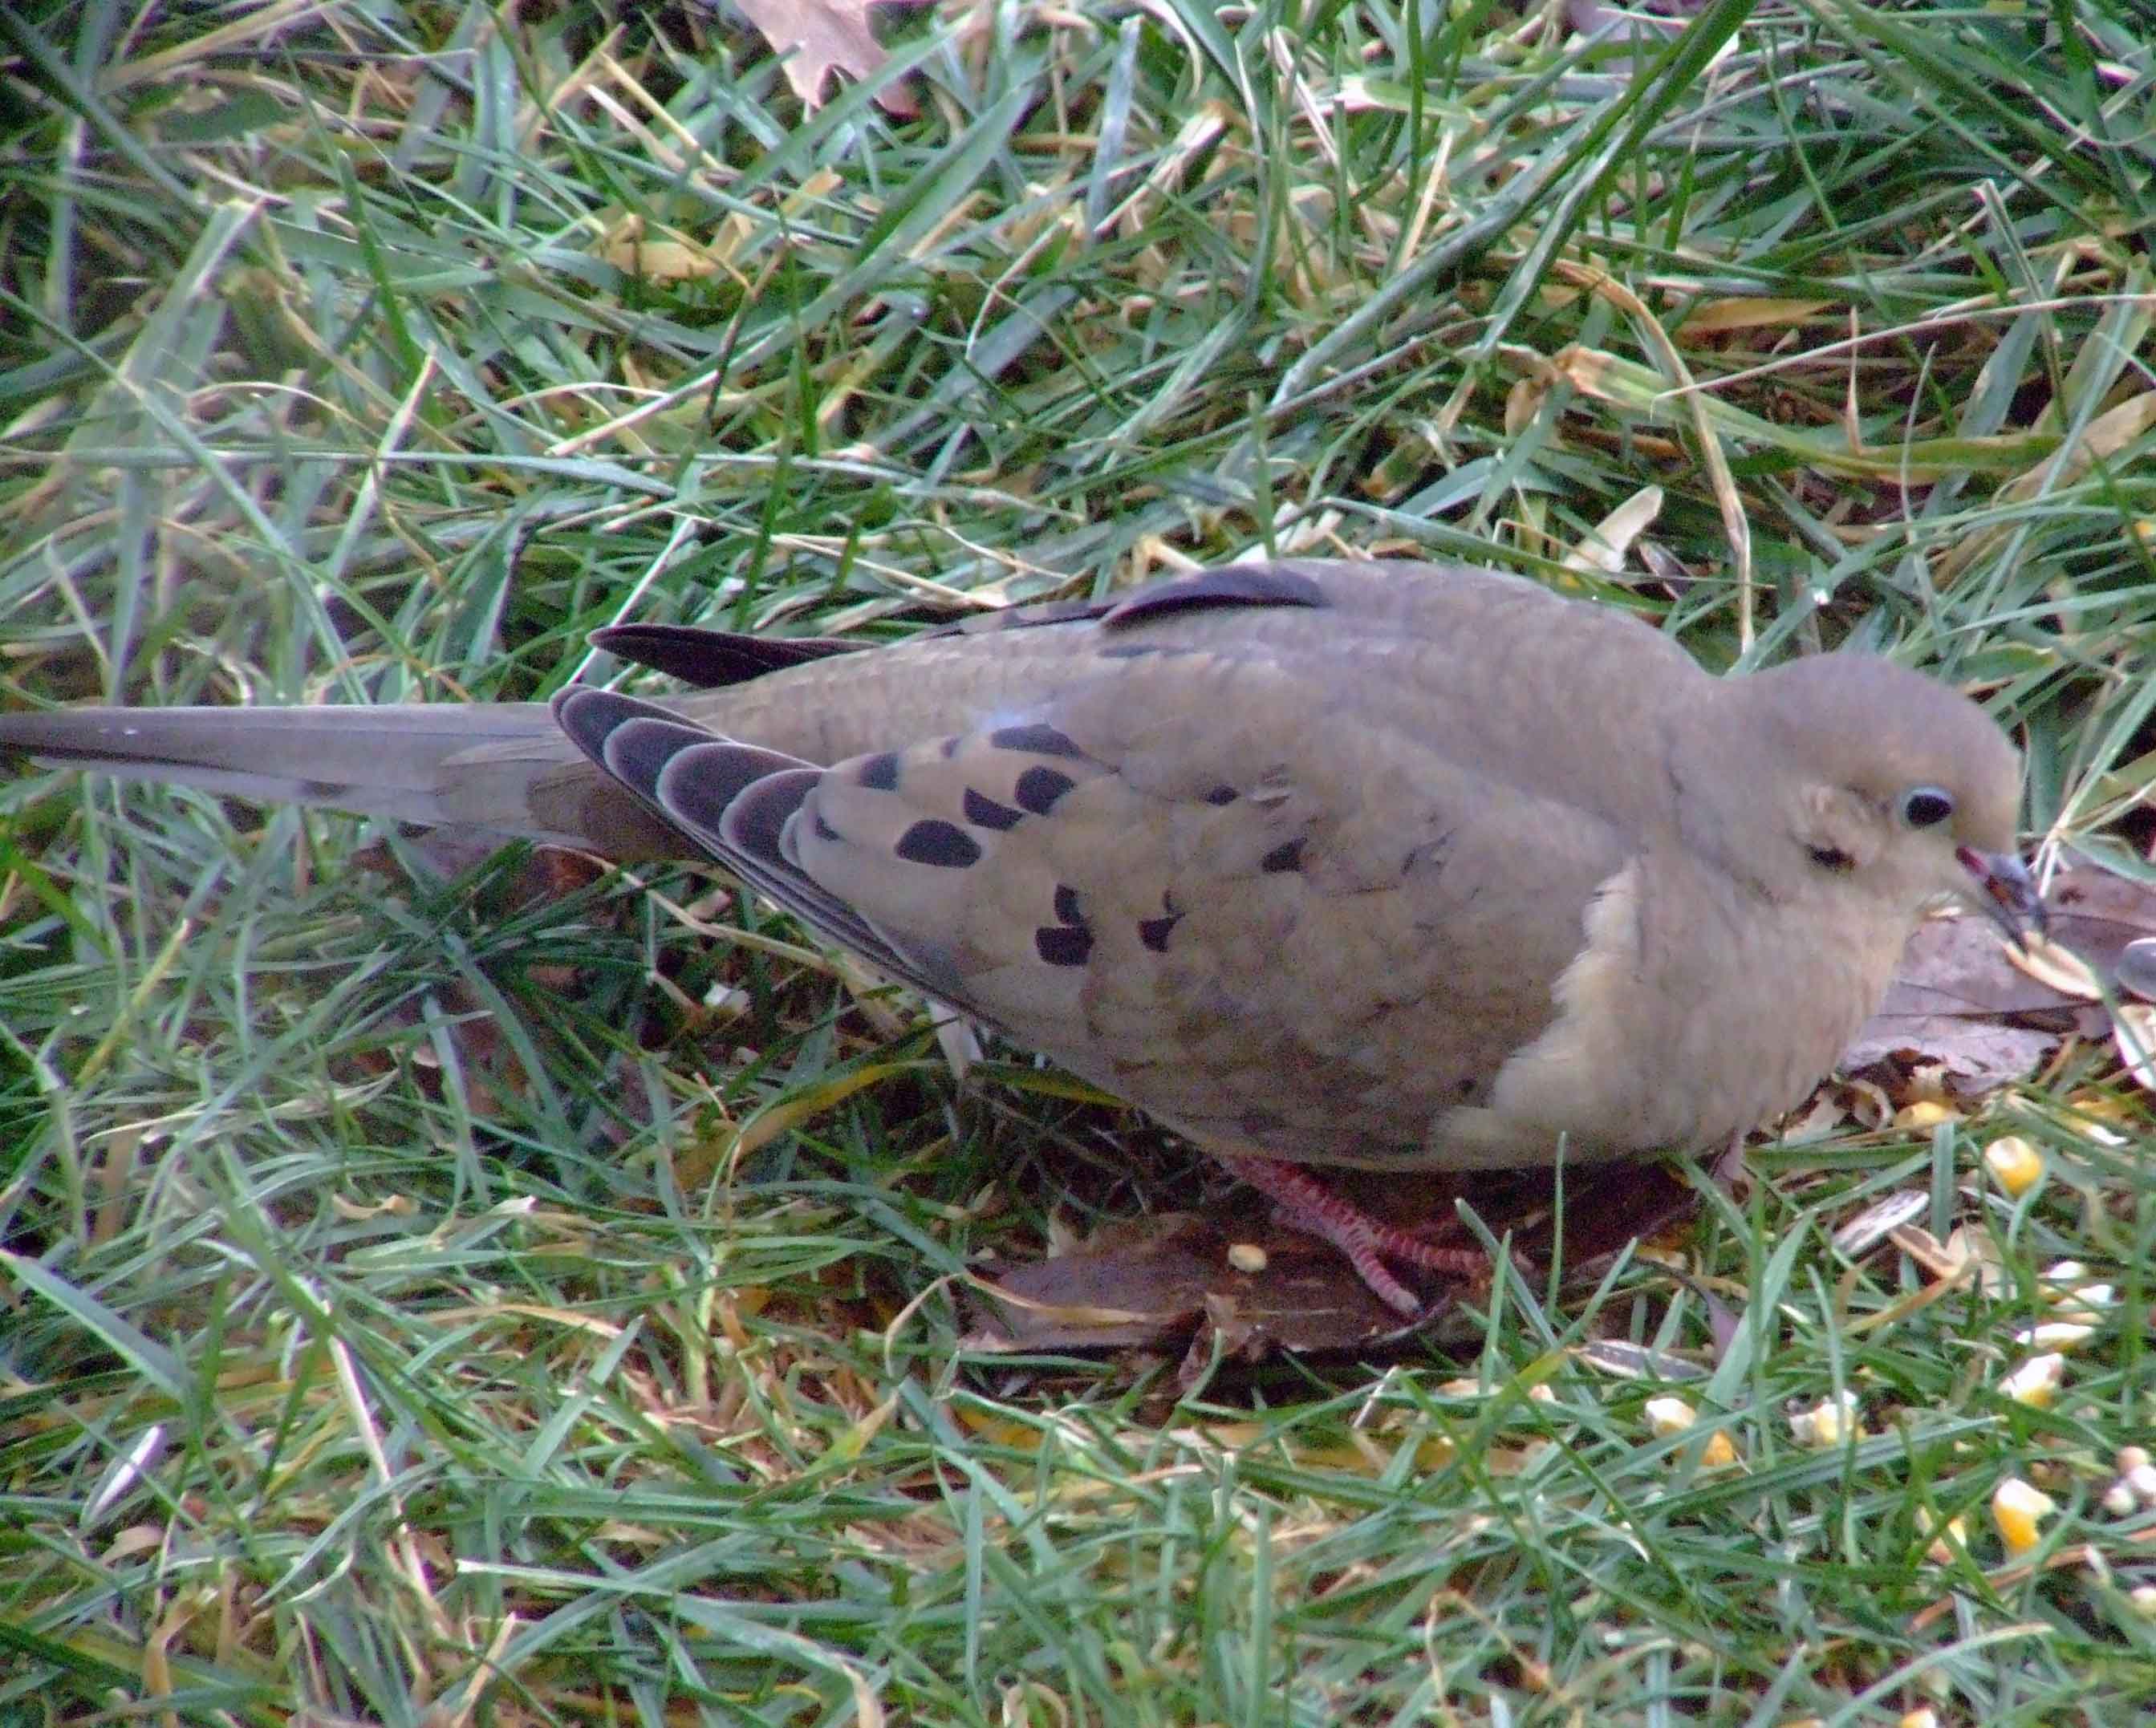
x,y
817,38
1176,1281
654,258
1161,1280
1962,1001
2116,429
2096,913
1957,1003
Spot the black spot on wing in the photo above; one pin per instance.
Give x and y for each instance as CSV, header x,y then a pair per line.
x,y
1068,942
1154,932
1286,856
1039,788
751,842
1035,739
879,772
1063,944
1237,585
984,811
943,844
1222,795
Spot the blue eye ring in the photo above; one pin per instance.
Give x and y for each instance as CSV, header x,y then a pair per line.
x,y
1926,806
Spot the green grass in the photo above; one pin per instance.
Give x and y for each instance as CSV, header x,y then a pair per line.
x,y
382,1339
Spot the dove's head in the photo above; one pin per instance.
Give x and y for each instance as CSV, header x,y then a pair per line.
x,y
1859,771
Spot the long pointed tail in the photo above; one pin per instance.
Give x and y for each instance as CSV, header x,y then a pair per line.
x,y
504,768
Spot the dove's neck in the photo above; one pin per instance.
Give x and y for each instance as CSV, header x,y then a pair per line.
x,y
1722,790
1741,813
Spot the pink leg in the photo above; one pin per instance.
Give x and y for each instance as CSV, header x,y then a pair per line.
x,y
1307,1204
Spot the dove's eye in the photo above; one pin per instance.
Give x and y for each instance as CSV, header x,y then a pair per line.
x,y
1927,807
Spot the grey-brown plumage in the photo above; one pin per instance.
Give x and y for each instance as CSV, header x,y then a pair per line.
x,y
1382,864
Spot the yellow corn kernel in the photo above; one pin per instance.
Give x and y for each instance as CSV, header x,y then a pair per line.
x,y
1670,1415
1826,1423
2054,1334
2036,1381
1941,1551
2014,1163
2018,1508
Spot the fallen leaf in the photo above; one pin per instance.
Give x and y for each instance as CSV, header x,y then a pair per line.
x,y
1956,1002
1963,999
661,258
1177,1280
817,38
1164,1279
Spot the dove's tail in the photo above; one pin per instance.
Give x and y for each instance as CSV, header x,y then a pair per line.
x,y
502,767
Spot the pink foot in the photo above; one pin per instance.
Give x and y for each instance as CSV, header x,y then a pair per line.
x,y
1306,1204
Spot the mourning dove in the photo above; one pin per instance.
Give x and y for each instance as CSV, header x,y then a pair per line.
x,y
1401,866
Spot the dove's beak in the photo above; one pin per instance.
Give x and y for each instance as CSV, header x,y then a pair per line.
x,y
2002,891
